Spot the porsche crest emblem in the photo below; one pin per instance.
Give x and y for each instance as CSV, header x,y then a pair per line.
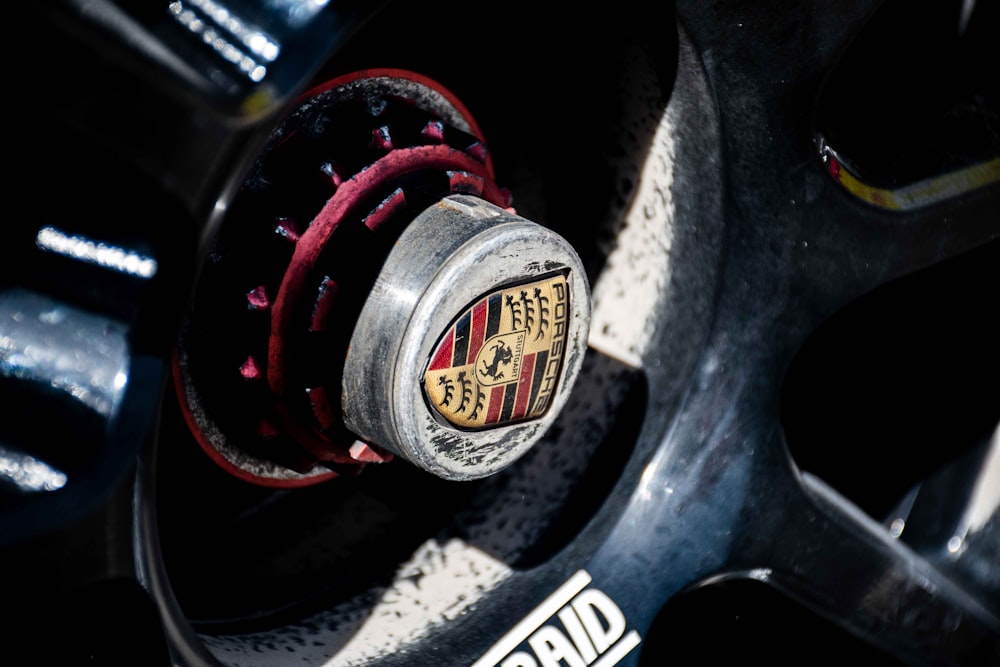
x,y
501,360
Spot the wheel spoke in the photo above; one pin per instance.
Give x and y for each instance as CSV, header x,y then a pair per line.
x,y
791,220
849,568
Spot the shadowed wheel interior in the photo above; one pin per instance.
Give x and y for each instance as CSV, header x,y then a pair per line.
x,y
437,345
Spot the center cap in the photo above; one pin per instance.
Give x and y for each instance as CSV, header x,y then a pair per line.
x,y
470,341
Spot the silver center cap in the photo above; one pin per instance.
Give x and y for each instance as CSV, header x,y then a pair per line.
x,y
470,341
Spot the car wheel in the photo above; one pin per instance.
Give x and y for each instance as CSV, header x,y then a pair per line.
x,y
779,418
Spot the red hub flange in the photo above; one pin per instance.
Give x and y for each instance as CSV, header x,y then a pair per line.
x,y
259,365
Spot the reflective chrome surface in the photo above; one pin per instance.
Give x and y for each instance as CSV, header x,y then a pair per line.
x,y
70,351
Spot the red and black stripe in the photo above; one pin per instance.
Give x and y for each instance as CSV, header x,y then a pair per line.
x,y
461,350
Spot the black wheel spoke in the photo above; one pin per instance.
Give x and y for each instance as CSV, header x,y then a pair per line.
x,y
850,568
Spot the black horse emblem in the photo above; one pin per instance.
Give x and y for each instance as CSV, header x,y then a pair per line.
x,y
502,354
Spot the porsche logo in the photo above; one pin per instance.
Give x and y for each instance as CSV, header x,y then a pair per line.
x,y
501,360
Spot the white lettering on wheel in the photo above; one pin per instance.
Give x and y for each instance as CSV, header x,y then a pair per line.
x,y
576,626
